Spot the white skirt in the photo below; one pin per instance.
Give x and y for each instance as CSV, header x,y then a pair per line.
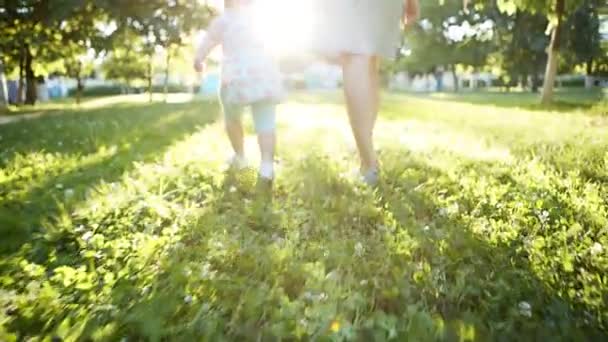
x,y
369,27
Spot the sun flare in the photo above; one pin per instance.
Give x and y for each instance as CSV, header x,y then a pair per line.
x,y
285,25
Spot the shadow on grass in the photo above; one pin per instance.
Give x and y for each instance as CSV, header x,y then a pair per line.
x,y
433,265
188,300
470,278
131,133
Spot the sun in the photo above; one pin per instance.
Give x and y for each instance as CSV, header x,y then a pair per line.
x,y
285,25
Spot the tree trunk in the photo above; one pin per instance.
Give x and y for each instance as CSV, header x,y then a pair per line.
x,y
3,89
150,79
523,81
30,87
168,62
21,84
455,78
589,79
79,88
551,71
535,82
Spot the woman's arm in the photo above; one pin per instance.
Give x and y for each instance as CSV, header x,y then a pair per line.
x,y
212,39
411,11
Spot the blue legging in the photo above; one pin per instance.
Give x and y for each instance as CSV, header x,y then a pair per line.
x,y
263,112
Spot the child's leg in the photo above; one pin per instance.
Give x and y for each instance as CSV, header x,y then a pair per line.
x,y
234,127
264,117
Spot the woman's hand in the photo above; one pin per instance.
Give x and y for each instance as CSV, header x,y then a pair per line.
x,y
411,12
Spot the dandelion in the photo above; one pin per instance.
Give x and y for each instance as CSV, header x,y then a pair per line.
x,y
596,249
308,296
206,271
87,236
359,249
335,326
69,193
525,309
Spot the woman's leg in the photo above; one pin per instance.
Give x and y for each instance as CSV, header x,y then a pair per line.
x,y
362,99
264,118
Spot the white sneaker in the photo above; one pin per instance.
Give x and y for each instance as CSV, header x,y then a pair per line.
x,y
266,171
370,177
237,162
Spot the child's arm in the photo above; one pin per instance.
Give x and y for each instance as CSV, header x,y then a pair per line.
x,y
212,39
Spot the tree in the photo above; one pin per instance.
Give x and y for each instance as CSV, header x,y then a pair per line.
x,y
41,31
583,39
127,62
77,67
447,35
162,23
556,11
521,44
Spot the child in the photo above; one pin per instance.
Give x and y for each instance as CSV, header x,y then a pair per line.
x,y
250,78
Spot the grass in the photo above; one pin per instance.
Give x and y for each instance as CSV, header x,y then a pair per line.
x,y
566,100
490,223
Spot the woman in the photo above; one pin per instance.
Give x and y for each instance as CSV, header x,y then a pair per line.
x,y
356,34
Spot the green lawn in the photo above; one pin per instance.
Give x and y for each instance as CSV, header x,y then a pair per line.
x,y
490,223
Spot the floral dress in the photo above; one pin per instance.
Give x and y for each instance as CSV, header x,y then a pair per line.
x,y
249,72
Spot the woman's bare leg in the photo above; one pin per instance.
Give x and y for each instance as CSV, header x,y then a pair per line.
x,y
362,98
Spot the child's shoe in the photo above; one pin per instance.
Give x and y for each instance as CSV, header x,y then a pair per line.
x,y
266,171
237,162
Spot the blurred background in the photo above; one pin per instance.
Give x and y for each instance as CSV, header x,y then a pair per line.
x,y
68,48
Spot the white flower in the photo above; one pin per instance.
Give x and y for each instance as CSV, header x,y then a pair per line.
x,y
596,249
359,249
525,309
426,228
207,272
87,236
188,299
232,189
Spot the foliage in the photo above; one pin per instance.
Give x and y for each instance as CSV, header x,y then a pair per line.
x,y
127,62
36,32
583,39
490,224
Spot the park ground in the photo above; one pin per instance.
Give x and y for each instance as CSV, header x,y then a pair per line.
x,y
490,223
